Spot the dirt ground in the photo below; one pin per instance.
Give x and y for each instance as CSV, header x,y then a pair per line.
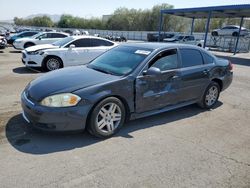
x,y
188,147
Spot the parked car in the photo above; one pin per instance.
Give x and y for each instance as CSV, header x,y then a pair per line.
x,y
185,39
120,38
130,81
40,38
230,30
73,50
153,37
3,42
23,34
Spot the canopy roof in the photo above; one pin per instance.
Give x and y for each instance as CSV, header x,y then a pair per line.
x,y
232,11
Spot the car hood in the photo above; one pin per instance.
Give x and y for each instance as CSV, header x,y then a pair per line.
x,y
40,47
170,40
66,80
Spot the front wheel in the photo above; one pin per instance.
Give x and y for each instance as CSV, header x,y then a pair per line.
x,y
52,63
29,44
210,96
107,118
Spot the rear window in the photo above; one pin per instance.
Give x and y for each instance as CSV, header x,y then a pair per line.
x,y
207,58
191,57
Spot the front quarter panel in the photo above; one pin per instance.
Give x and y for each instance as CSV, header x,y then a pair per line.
x,y
122,88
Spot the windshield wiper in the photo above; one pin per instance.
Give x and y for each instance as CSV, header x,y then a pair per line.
x,y
101,70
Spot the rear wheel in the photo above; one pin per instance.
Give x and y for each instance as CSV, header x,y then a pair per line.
x,y
214,33
107,118
211,95
52,63
235,34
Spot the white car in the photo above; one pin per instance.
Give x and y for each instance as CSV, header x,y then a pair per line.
x,y
230,30
185,39
70,51
40,38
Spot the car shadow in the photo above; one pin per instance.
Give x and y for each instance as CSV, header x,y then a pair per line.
x,y
1,52
25,70
236,60
15,51
26,139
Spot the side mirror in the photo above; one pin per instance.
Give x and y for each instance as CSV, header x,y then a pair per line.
x,y
152,71
72,46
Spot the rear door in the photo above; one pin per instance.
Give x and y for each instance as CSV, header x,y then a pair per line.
x,y
194,74
157,91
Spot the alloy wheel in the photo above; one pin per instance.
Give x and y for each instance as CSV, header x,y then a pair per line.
x,y
211,96
108,118
53,64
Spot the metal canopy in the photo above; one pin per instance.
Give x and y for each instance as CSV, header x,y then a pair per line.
x,y
228,11
232,11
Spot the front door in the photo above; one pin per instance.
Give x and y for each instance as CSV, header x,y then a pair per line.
x,y
157,91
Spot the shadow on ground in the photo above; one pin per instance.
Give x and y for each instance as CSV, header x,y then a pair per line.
x,y
25,70
237,60
15,51
28,140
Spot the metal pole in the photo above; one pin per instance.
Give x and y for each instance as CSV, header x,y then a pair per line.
x,y
207,28
160,27
237,41
192,27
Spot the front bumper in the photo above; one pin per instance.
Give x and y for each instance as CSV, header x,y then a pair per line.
x,y
18,46
32,60
54,119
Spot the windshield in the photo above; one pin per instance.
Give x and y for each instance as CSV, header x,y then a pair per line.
x,y
178,37
120,60
63,41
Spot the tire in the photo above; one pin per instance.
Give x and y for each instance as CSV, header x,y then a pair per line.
x,y
210,96
107,117
235,34
29,44
52,63
214,33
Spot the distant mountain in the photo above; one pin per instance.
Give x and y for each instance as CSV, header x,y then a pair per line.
x,y
53,17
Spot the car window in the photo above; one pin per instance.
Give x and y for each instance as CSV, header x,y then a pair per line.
x,y
191,57
191,37
207,58
43,36
81,43
166,60
100,42
57,35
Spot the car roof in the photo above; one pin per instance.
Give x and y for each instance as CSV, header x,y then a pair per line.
x,y
43,32
159,45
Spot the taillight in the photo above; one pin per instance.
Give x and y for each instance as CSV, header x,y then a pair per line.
x,y
230,65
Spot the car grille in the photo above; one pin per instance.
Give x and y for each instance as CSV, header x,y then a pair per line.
x,y
24,55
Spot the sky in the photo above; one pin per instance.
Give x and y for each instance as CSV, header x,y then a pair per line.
x,y
94,8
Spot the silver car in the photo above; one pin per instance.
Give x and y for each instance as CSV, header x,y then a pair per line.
x,y
230,30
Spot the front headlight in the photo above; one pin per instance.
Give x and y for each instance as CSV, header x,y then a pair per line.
x,y
36,52
61,100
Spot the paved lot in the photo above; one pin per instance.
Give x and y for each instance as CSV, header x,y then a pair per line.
x,y
188,147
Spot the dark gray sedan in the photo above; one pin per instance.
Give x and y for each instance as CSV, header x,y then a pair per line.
x,y
128,82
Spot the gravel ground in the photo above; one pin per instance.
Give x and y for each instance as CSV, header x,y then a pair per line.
x,y
188,147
